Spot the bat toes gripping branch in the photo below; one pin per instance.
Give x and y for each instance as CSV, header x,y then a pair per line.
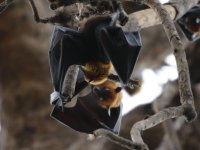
x,y
65,99
121,15
60,99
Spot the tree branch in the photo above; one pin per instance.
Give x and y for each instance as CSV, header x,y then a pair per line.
x,y
148,17
171,138
154,120
179,52
138,20
187,108
69,81
119,140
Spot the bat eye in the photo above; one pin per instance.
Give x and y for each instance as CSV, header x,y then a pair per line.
x,y
118,89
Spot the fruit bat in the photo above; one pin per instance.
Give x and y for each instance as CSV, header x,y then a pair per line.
x,y
102,43
109,43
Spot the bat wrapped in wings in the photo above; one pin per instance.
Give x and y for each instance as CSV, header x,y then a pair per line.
x,y
95,48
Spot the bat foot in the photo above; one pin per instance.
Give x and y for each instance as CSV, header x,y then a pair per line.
x,y
54,97
65,98
58,99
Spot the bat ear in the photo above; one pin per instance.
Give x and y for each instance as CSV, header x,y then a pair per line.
x,y
122,48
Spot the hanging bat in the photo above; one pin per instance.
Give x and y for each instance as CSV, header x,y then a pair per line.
x,y
96,43
87,114
96,48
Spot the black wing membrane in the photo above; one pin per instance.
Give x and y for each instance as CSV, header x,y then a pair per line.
x,y
190,18
87,116
67,49
122,48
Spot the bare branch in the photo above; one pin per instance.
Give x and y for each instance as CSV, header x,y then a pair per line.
x,y
137,20
148,17
58,18
154,120
171,138
69,82
119,140
182,66
187,109
182,6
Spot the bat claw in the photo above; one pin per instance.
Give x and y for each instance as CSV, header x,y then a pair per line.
x,y
54,97
66,99
58,99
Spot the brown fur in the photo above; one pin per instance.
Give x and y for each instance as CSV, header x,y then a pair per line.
x,y
96,72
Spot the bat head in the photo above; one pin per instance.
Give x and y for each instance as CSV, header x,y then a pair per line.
x,y
109,94
96,72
